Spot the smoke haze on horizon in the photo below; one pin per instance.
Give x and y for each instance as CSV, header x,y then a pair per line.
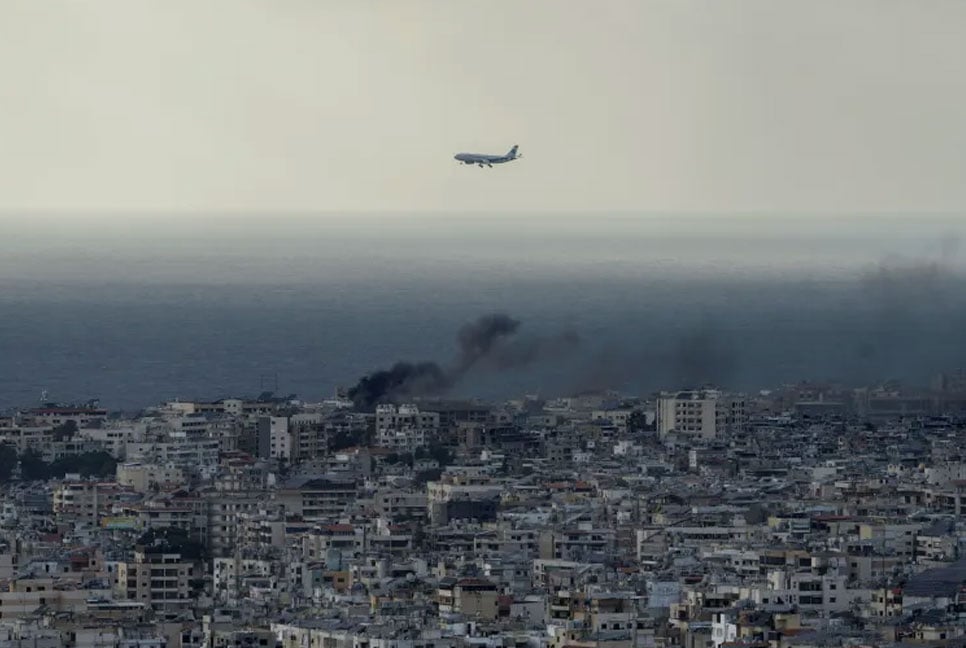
x,y
167,309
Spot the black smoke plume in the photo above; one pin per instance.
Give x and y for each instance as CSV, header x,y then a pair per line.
x,y
478,338
403,379
483,344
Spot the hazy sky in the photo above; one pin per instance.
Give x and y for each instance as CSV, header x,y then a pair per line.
x,y
202,105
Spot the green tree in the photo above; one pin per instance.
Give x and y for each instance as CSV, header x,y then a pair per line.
x,y
637,422
88,464
33,467
350,439
424,476
442,454
172,540
8,461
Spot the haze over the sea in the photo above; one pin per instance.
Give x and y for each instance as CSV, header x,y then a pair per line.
x,y
137,310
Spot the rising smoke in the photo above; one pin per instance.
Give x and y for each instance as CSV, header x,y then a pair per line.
x,y
402,380
911,304
477,339
900,317
701,356
690,355
489,343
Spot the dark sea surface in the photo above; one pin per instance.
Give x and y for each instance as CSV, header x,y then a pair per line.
x,y
139,309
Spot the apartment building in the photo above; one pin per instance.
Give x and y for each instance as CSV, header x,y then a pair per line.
x,y
705,414
161,579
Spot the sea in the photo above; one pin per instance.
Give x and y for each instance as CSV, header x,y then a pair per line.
x,y
136,309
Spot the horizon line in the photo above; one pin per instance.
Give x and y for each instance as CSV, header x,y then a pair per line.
x,y
597,212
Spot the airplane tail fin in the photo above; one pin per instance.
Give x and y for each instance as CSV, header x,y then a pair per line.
x,y
513,152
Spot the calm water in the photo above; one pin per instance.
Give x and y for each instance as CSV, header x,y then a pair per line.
x,y
137,310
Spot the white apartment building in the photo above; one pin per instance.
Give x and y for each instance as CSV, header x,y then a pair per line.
x,y
114,439
142,477
405,428
227,574
274,437
198,456
705,413
813,593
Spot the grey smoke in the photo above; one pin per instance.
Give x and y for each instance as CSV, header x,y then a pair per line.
x,y
900,317
908,302
702,356
477,339
483,344
523,352
689,356
902,284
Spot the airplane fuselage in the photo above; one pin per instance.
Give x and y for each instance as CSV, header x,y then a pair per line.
x,y
480,159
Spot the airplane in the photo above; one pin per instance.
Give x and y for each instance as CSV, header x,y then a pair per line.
x,y
488,160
